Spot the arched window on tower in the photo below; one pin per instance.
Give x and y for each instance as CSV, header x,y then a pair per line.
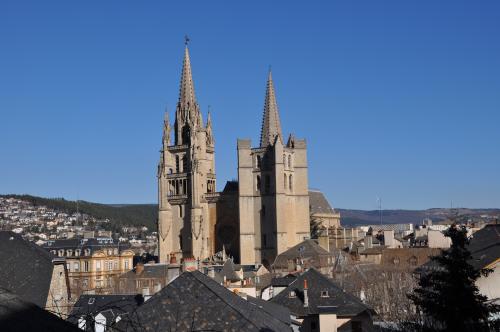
x,y
177,164
258,183
259,162
284,181
284,160
289,161
186,135
184,164
290,184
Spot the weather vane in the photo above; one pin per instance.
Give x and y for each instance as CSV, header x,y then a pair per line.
x,y
186,40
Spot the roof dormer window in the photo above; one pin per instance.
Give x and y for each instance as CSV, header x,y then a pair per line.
x,y
324,293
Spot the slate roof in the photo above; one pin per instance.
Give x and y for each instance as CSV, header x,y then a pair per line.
x,y
318,203
93,244
228,271
485,246
156,271
111,306
25,268
278,311
194,301
345,304
18,315
308,250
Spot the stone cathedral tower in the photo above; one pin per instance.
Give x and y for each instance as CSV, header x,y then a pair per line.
x,y
273,193
186,179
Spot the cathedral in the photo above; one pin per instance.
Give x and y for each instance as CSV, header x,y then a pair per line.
x,y
264,213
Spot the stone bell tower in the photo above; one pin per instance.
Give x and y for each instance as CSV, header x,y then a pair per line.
x,y
273,189
186,178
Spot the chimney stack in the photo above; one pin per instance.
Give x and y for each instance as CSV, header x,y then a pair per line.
x,y
173,259
306,298
139,268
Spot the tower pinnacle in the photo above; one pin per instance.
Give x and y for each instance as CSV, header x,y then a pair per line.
x,y
271,126
187,98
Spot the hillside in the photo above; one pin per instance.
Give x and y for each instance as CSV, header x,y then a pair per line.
x,y
147,214
361,217
125,214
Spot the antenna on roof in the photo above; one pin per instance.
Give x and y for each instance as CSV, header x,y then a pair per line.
x,y
379,200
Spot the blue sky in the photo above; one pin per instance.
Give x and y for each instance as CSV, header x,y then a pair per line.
x,y
397,99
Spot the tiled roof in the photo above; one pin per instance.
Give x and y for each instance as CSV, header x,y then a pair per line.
x,y
18,315
194,301
319,204
25,268
346,304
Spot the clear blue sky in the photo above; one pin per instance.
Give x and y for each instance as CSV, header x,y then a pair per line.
x,y
397,99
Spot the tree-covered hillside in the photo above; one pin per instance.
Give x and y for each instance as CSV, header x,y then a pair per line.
x,y
130,214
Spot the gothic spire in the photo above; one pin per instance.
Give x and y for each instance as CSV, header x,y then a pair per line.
x,y
166,130
187,98
271,127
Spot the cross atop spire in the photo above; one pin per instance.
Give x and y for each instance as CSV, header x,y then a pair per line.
x,y
271,126
187,97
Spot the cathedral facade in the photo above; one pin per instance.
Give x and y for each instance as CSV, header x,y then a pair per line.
x,y
254,219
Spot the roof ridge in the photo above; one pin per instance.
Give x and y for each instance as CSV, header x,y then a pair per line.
x,y
253,308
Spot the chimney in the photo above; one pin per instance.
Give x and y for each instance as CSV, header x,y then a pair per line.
x,y
306,298
389,238
173,259
368,242
139,268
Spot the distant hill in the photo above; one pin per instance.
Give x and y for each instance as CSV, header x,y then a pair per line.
x,y
147,214
122,214
362,217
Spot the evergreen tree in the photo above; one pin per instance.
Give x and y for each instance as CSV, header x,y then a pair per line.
x,y
447,297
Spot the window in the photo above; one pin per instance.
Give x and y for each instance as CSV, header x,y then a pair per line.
x,y
184,164
61,252
98,265
86,266
177,169
77,252
289,161
115,251
85,283
116,265
181,214
126,264
259,162
284,160
76,266
290,184
324,293
258,182
284,181
292,294
68,266
69,252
